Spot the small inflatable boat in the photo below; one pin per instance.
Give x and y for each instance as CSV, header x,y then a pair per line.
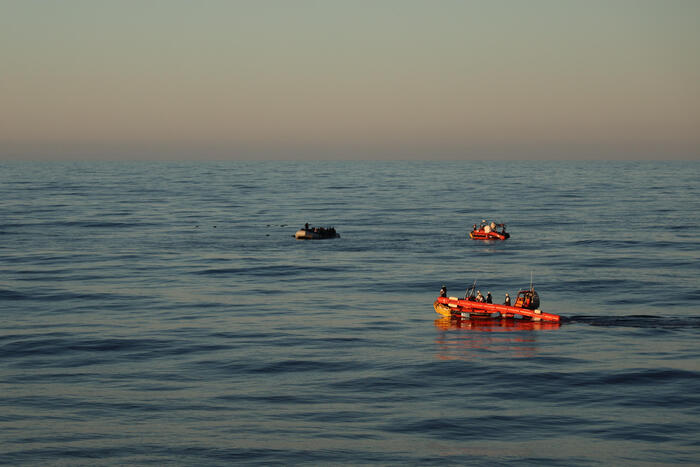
x,y
489,231
315,233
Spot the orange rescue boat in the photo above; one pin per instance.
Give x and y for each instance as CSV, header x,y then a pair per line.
x,y
489,231
526,307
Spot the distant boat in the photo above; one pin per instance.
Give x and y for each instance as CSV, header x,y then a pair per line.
x,y
489,231
315,233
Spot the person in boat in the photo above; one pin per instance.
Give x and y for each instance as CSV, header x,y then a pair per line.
x,y
443,291
507,301
474,228
479,297
488,297
306,226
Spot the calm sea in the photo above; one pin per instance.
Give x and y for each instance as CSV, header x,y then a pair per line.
x,y
163,313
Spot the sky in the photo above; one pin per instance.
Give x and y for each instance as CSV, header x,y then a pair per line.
x,y
355,79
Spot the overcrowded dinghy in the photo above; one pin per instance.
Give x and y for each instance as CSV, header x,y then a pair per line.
x,y
315,233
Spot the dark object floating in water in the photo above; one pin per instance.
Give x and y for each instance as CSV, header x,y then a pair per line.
x,y
315,233
489,231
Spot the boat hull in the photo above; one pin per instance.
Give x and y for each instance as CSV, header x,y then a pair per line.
x,y
481,235
455,307
303,234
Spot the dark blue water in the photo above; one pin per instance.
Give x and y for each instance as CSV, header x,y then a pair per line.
x,y
163,313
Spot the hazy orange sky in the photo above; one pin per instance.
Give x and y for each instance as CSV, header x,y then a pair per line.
x,y
296,79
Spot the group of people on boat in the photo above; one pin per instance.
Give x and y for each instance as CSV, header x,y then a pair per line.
x,y
309,233
489,231
478,297
487,227
320,230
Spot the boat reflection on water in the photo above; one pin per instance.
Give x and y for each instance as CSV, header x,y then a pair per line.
x,y
473,338
496,324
